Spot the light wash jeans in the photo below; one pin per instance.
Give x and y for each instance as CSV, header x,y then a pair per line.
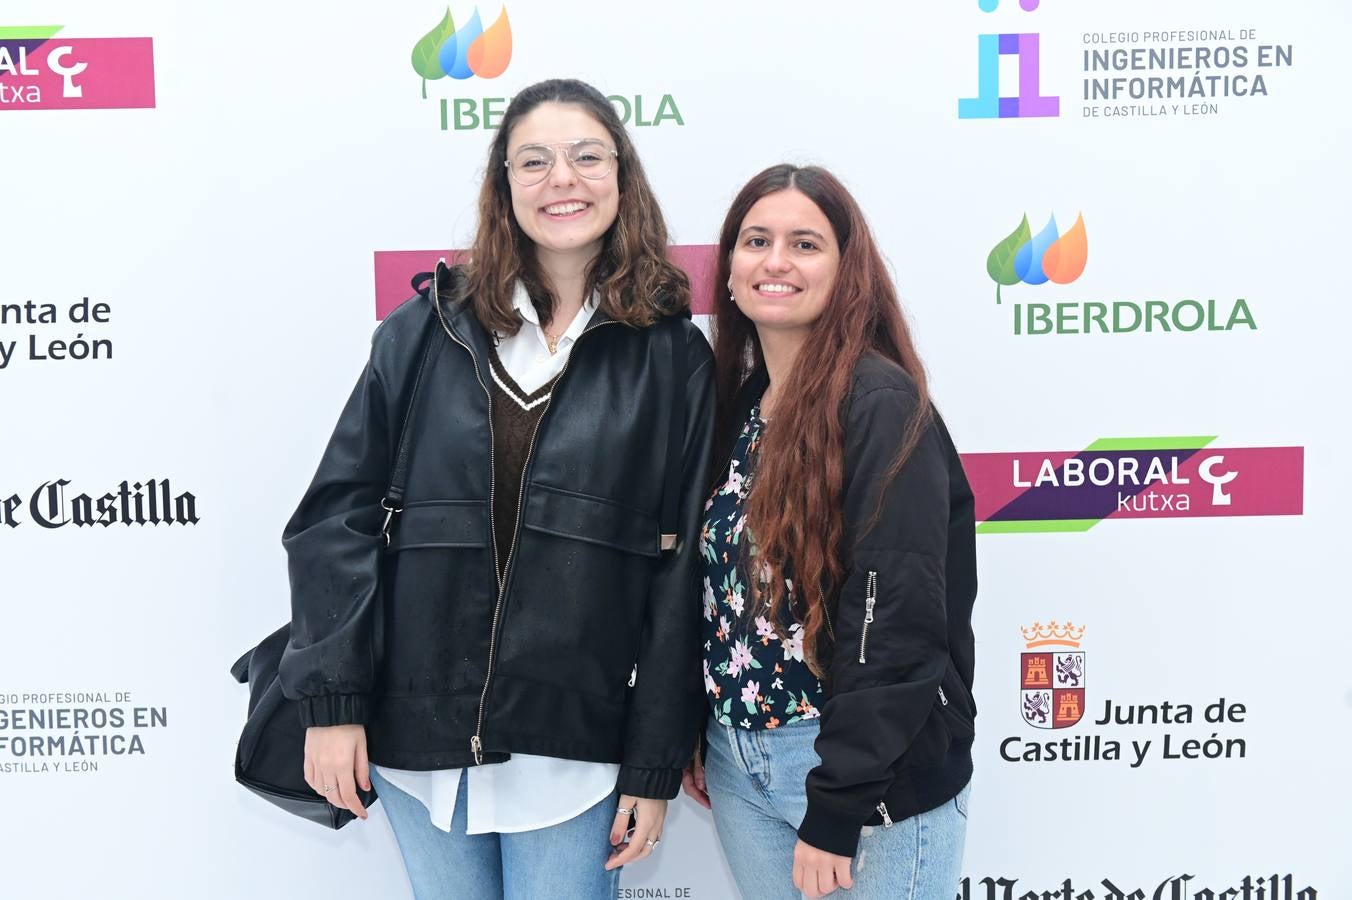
x,y
756,785
564,860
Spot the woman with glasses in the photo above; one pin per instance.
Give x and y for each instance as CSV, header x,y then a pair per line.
x,y
518,680
840,570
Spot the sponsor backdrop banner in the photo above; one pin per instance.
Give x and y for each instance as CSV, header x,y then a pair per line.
x,y
1114,225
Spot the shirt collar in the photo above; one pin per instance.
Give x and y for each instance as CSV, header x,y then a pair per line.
x,y
521,303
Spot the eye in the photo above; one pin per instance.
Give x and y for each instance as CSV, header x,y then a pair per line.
x,y
757,242
532,165
804,244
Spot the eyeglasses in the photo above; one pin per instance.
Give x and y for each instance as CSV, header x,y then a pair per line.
x,y
589,158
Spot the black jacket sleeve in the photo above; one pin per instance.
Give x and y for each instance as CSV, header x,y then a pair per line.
x,y
334,543
667,706
885,682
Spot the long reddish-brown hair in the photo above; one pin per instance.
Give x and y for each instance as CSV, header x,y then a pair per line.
x,y
794,512
636,282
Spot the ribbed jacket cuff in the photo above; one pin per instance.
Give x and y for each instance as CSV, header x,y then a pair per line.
x,y
828,830
334,709
651,784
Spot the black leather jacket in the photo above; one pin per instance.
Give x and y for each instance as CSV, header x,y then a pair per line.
x,y
590,649
897,727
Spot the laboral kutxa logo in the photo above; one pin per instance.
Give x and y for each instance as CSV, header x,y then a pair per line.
x,y
1133,478
1051,675
473,51
1029,101
41,70
1052,258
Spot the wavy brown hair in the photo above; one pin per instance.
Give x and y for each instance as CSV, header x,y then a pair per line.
x,y
794,512
636,282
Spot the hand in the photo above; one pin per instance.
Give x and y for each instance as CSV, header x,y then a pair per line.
x,y
646,834
692,782
817,873
336,763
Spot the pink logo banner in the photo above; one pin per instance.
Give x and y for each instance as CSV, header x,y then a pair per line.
x,y
1072,490
77,73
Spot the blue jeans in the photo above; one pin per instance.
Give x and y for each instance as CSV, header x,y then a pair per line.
x,y
564,860
756,785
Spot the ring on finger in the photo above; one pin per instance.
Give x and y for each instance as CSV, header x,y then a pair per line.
x,y
652,843
327,788
624,811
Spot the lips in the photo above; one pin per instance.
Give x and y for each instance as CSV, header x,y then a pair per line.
x,y
776,288
565,209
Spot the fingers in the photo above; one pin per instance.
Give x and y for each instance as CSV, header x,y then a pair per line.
x,y
648,818
693,785
347,793
363,770
843,876
310,774
623,813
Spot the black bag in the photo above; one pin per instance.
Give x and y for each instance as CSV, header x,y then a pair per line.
x,y
270,758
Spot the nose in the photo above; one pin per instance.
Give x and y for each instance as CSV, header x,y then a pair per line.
x,y
777,260
561,174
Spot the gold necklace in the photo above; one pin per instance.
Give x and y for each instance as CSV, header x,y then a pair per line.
x,y
552,342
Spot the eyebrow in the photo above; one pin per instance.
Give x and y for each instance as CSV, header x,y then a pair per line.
x,y
797,232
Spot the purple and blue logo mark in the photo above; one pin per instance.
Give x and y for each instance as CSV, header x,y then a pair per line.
x,y
989,103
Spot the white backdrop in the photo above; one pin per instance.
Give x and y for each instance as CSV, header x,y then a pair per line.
x,y
231,230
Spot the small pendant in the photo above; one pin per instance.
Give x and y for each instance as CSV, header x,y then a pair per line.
x,y
553,344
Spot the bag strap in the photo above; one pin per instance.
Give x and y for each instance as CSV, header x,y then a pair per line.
x,y
393,500
675,395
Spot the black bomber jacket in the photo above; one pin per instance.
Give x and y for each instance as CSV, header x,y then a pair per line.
x,y
897,727
589,650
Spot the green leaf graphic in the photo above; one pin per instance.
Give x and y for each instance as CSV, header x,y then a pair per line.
x,y
1000,263
425,52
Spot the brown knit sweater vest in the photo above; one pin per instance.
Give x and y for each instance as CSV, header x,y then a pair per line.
x,y
515,417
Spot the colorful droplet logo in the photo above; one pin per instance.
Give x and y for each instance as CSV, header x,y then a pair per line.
x,y
1036,259
464,53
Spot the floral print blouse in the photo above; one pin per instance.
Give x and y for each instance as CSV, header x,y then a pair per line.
x,y
754,677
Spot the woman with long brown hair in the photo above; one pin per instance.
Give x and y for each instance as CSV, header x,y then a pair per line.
x,y
839,556
492,570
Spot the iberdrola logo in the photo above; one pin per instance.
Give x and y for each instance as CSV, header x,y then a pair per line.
x,y
473,50
1037,259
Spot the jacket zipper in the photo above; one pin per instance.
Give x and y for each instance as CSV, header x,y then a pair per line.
x,y
943,698
882,811
476,744
870,600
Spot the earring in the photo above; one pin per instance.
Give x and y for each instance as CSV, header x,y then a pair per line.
x,y
732,298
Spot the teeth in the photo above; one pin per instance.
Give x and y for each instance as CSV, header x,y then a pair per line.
x,y
564,209
776,288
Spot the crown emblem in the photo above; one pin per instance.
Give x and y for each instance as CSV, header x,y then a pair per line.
x,y
1053,633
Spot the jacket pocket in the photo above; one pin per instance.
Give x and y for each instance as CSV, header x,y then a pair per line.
x,y
592,520
955,703
870,601
440,523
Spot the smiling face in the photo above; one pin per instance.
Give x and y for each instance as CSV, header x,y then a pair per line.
x,y
564,213
784,262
